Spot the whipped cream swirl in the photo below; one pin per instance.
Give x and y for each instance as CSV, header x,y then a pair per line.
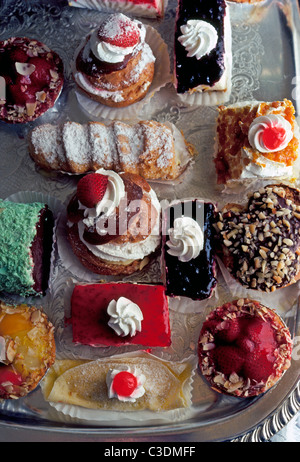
x,y
137,393
115,191
125,317
260,124
110,53
198,37
186,239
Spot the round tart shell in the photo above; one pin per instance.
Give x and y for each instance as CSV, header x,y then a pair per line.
x,y
48,94
30,347
235,385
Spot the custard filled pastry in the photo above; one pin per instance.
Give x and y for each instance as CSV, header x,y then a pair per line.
x,y
115,66
113,222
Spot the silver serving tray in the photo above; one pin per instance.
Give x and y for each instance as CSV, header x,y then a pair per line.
x,y
265,46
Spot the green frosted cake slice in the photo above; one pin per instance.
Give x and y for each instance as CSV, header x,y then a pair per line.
x,y
26,232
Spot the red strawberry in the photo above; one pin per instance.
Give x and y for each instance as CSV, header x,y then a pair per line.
x,y
230,332
41,75
245,344
8,375
258,367
91,189
17,55
20,97
119,31
261,334
228,359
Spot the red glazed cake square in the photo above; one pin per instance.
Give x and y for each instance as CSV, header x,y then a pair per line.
x,y
89,316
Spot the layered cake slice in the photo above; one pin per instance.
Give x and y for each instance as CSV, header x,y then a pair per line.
x,y
202,47
117,314
257,140
26,235
188,258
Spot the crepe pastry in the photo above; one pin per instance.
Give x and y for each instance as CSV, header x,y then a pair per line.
x,y
257,140
148,148
120,383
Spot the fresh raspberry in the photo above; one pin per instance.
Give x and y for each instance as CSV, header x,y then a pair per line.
x,y
120,31
230,333
91,189
41,75
228,359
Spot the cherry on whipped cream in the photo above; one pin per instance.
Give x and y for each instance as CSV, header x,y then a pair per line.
x,y
124,383
273,137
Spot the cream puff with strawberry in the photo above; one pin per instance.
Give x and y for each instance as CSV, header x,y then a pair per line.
x,y
113,222
115,66
244,348
31,79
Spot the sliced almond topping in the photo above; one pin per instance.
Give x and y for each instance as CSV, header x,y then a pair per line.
x,y
25,68
30,108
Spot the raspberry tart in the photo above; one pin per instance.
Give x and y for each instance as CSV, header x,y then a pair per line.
x,y
31,79
26,236
244,348
113,222
257,140
27,349
188,257
115,67
116,314
259,242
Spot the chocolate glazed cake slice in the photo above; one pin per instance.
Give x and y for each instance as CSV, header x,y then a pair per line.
x,y
188,257
202,38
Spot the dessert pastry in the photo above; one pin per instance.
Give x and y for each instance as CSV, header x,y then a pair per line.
x,y
26,235
244,348
31,79
260,241
115,66
27,349
116,314
188,259
202,47
257,140
148,148
145,8
113,222
121,383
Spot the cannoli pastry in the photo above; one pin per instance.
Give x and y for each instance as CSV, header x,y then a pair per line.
x,y
202,47
114,222
116,314
244,348
257,140
144,8
259,242
148,148
26,236
115,66
31,79
188,258
27,349
120,383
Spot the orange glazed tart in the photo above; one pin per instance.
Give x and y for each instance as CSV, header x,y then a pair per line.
x,y
244,348
257,140
31,79
27,349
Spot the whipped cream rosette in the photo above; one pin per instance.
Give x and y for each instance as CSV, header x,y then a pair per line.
x,y
256,141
